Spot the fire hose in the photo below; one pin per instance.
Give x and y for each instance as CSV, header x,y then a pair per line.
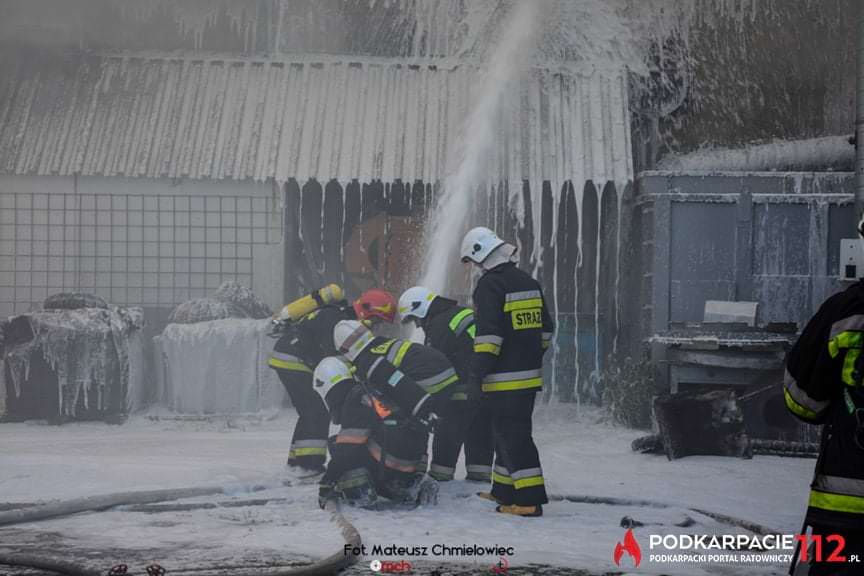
x,y
33,513
329,565
613,501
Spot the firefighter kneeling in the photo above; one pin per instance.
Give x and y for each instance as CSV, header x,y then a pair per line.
x,y
419,378
379,451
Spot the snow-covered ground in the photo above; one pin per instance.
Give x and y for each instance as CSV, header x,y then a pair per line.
x,y
581,456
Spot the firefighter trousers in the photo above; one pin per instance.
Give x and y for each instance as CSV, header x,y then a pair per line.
x,y
479,444
517,477
454,418
309,442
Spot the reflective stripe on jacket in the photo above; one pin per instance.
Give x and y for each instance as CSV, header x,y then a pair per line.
x,y
823,385
450,329
513,329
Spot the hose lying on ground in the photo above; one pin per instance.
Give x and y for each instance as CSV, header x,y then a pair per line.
x,y
160,508
732,521
329,565
47,563
612,501
585,499
32,513
39,512
338,560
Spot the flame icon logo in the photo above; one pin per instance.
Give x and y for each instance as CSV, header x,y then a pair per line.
x,y
631,546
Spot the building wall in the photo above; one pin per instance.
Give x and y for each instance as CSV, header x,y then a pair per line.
x,y
726,74
358,147
763,237
769,238
140,242
370,233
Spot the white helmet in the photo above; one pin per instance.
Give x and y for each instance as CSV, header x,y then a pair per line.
x,y
350,338
415,302
330,372
478,243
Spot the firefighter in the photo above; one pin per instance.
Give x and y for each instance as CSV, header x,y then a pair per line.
x,y
419,378
513,330
450,329
824,384
378,451
304,339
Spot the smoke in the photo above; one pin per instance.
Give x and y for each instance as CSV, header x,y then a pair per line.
x,y
508,61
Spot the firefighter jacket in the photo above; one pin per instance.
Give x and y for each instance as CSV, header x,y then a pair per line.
x,y
304,343
450,329
411,373
824,383
513,330
374,435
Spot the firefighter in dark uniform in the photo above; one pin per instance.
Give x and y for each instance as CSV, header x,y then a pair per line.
x,y
824,384
419,378
450,329
514,329
304,340
378,452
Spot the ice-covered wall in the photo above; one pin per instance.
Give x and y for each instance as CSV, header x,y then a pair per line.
x,y
75,363
836,153
360,172
716,72
218,367
345,133
772,237
406,29
726,73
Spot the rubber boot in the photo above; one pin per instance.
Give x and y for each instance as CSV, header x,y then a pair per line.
x,y
525,511
488,496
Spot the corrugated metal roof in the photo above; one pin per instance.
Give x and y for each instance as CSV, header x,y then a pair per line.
x,y
165,116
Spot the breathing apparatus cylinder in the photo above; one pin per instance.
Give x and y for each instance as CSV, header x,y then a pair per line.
x,y
311,302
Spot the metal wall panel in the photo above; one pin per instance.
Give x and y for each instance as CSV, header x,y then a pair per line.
x,y
773,238
702,258
153,245
781,241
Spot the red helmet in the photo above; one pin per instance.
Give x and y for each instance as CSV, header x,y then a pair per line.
x,y
376,303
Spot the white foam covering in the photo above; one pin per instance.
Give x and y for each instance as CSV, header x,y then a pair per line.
x,y
218,367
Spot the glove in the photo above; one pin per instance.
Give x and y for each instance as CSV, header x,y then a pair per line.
x,y
277,327
427,492
325,494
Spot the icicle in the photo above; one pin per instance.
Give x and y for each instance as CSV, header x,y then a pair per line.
x,y
81,346
595,375
342,238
